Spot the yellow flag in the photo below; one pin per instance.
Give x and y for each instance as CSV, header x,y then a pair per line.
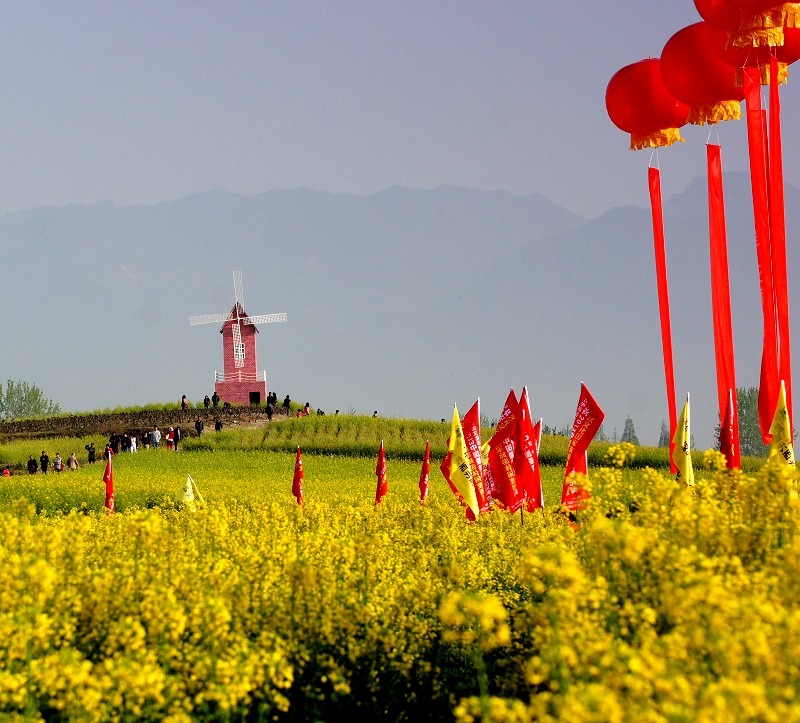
x,y
781,431
196,491
186,495
460,470
189,492
681,455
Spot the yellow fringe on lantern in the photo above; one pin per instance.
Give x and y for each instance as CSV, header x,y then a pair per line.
x,y
791,15
756,37
725,110
761,29
657,139
783,75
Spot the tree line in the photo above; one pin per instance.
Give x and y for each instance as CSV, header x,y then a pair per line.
x,y
20,399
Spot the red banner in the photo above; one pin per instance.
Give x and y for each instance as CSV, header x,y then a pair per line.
x,y
108,478
777,226
471,426
654,178
526,457
297,482
588,418
768,386
721,299
424,474
500,480
380,471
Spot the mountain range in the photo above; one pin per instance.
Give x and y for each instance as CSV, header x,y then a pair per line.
x,y
404,301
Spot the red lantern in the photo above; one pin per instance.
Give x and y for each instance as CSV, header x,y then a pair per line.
x,y
719,13
755,6
755,57
693,73
750,23
638,103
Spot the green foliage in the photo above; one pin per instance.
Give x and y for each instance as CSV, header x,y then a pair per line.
x,y
663,438
750,440
629,432
20,399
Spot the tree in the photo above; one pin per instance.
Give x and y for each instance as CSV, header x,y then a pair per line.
x,y
750,441
20,399
629,432
601,435
663,438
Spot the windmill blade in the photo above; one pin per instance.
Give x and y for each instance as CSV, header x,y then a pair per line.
x,y
264,319
238,293
208,319
238,347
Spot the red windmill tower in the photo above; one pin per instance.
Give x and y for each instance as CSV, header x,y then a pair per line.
x,y
240,382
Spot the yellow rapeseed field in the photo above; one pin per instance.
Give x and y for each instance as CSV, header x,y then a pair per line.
x,y
661,603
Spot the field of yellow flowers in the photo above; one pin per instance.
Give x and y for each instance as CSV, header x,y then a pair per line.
x,y
661,603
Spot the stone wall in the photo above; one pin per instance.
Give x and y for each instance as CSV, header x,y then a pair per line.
x,y
80,425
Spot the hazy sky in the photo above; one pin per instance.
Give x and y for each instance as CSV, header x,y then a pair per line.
x,y
141,102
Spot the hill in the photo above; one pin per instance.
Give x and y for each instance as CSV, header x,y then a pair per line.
x,y
404,301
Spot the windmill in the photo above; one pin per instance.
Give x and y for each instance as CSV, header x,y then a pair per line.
x,y
240,382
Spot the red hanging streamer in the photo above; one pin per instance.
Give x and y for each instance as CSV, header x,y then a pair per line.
x,y
777,223
768,387
654,178
721,311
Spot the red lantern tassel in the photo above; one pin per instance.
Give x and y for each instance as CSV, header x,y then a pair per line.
x,y
768,387
654,178
721,311
777,222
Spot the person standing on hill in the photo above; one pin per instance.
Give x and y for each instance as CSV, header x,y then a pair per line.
x,y
184,403
215,399
206,402
199,426
286,404
156,437
92,452
72,462
44,461
58,463
33,465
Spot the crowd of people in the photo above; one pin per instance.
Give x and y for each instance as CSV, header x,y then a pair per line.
x,y
43,464
152,438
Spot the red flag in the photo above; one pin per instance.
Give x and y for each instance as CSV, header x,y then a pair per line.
x,y
297,482
588,418
500,481
728,440
777,226
721,297
425,473
380,470
662,285
471,426
769,382
108,478
526,457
